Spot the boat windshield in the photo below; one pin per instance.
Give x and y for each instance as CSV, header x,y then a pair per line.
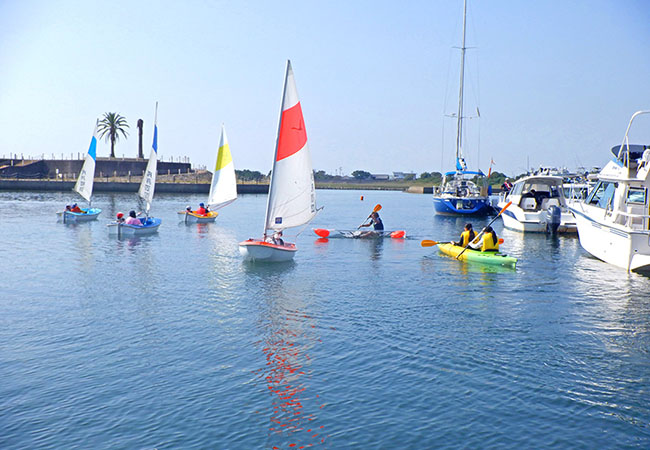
x,y
602,194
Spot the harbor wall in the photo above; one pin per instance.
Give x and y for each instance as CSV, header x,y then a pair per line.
x,y
104,167
110,186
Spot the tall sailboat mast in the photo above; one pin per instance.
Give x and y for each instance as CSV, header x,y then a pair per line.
x,y
459,135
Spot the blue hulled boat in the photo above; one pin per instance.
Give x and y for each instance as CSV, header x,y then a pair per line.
x,y
458,193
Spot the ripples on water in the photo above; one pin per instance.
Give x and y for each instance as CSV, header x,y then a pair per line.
x,y
171,341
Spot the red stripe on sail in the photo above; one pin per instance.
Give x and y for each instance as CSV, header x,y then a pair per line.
x,y
293,136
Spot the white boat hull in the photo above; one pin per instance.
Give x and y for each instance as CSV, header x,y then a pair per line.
x,y
195,218
258,250
514,218
126,230
72,217
613,244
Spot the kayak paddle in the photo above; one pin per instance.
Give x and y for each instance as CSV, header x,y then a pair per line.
x,y
483,230
398,234
376,209
428,243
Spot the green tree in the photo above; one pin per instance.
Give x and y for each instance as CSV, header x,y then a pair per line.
x,y
361,174
110,127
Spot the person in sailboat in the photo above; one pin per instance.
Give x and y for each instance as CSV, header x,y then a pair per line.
x,y
68,208
466,236
376,223
488,242
132,219
120,217
277,238
75,208
188,209
202,211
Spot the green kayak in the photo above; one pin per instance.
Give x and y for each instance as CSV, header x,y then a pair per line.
x,y
477,256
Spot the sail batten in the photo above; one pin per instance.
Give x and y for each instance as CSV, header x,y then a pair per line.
x,y
292,198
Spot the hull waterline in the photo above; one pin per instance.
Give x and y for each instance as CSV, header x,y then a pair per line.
x,y
258,250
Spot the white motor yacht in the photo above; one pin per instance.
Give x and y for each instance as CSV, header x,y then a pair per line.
x,y
538,206
613,221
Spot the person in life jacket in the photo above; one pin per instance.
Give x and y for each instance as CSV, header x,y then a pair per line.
x,y
76,209
202,211
489,242
466,236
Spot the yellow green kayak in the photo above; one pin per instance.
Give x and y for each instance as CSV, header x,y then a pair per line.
x,y
477,256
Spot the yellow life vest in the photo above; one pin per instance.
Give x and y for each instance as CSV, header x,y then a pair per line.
x,y
465,237
488,243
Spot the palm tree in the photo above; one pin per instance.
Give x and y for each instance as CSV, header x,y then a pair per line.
x,y
111,125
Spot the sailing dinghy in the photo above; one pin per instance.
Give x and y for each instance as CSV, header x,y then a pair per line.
x,y
84,187
223,188
292,196
148,225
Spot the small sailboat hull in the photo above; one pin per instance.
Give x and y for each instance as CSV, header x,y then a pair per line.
x,y
189,217
258,250
149,226
73,217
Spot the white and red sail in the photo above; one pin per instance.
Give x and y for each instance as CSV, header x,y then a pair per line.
x,y
292,197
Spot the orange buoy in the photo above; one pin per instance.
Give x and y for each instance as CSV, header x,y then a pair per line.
x,y
362,198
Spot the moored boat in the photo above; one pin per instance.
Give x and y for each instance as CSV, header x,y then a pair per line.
x,y
458,194
492,258
613,221
84,187
292,195
538,205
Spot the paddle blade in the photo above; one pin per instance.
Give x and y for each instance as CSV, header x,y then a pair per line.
x,y
398,234
501,241
504,208
377,208
428,243
322,232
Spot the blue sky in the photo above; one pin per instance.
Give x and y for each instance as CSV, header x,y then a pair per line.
x,y
556,82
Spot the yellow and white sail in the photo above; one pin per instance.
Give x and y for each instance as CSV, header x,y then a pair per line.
x,y
223,190
148,183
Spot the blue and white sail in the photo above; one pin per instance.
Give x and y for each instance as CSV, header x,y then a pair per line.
x,y
84,185
148,184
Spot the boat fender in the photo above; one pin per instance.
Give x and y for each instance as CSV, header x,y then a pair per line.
x,y
553,216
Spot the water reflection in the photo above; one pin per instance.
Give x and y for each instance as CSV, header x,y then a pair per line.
x,y
288,336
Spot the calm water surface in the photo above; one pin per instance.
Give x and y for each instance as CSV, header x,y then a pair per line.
x,y
171,341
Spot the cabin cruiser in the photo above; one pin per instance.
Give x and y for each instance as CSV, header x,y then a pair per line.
x,y
538,205
613,221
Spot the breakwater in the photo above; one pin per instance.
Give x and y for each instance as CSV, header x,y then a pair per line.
x,y
112,186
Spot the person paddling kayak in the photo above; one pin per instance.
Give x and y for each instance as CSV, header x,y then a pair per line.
x,y
466,236
488,242
376,223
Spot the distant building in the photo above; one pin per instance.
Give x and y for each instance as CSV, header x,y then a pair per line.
x,y
380,176
404,175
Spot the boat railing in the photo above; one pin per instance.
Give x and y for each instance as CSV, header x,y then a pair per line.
x,y
630,220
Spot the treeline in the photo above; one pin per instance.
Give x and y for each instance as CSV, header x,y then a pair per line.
x,y
432,178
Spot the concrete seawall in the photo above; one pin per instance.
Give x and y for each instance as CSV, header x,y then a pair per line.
x,y
66,186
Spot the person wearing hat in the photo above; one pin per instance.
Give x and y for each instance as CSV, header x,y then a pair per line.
x,y
75,208
507,185
120,217
132,219
202,211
